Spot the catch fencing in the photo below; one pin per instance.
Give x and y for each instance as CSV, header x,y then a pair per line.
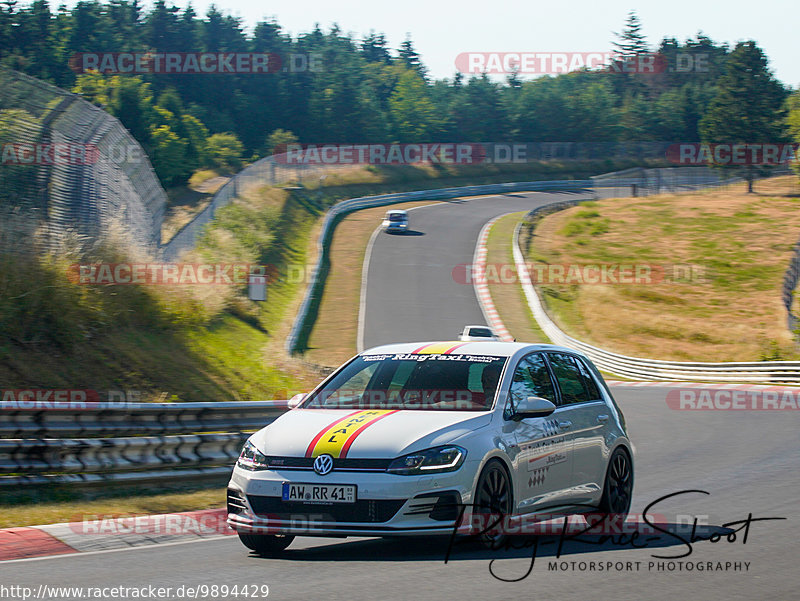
x,y
270,171
639,181
104,180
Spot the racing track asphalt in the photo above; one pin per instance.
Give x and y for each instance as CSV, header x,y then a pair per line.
x,y
411,292
746,460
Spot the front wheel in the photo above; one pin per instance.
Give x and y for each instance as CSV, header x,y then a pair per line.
x,y
266,544
618,489
494,502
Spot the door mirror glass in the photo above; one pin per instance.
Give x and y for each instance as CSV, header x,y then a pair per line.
x,y
533,406
296,400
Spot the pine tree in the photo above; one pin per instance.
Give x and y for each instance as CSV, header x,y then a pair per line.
x,y
748,105
631,41
410,58
374,49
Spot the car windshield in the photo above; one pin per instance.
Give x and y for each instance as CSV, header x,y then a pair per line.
x,y
396,217
482,332
412,381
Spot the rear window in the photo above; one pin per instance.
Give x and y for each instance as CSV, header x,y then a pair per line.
x,y
483,332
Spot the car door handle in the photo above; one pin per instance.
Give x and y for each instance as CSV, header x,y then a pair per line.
x,y
564,425
602,418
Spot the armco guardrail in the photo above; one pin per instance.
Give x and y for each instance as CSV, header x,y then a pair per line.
x,y
637,367
46,443
314,289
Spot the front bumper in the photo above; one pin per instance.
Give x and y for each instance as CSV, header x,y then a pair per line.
x,y
386,505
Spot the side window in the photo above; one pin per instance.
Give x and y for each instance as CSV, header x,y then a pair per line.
x,y
588,380
531,378
570,380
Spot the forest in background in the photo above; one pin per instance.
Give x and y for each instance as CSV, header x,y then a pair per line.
x,y
362,91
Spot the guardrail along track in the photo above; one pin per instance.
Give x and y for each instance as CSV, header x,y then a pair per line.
x,y
43,443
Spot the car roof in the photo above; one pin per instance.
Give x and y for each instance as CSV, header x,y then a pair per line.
x,y
400,211
455,347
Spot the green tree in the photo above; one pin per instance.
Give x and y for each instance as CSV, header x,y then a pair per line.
x,y
411,58
413,113
132,103
169,156
793,124
225,151
631,42
278,140
375,49
748,105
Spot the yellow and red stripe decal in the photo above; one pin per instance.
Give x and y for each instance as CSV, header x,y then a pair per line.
x,y
337,438
438,348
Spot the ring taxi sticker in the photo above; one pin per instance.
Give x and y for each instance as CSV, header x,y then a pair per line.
x,y
337,438
438,348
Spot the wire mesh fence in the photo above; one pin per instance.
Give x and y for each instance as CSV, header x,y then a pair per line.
x,y
73,166
269,171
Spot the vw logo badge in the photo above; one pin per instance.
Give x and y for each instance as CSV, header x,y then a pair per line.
x,y
323,464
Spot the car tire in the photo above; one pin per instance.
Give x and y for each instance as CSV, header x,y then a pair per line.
x,y
618,486
266,545
494,495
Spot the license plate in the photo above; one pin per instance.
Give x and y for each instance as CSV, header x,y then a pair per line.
x,y
319,493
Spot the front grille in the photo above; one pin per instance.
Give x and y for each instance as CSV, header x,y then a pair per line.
x,y
346,464
363,511
236,503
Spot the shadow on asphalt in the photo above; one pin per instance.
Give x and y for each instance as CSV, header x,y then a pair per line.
x,y
407,233
435,547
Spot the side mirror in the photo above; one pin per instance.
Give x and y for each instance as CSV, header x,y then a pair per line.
x,y
296,400
533,406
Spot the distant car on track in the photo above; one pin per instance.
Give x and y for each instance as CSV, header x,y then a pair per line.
x,y
478,333
403,438
395,220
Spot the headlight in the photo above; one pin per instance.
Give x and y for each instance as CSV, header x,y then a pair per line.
x,y
429,461
251,458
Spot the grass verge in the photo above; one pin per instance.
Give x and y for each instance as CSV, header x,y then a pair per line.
x,y
333,338
60,505
717,259
508,296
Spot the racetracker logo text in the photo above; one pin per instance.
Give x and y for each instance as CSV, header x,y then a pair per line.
x,y
380,154
194,63
642,274
709,399
732,154
555,63
168,274
48,154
